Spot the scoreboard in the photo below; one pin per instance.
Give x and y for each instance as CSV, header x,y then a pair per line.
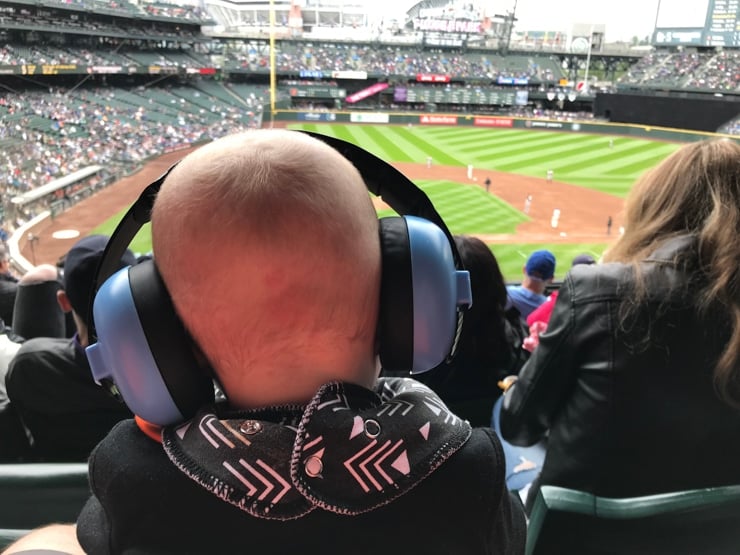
x,y
698,23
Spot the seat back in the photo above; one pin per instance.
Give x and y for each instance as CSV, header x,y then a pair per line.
x,y
34,494
695,521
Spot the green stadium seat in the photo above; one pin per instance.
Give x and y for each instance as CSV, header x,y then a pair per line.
x,y
705,521
35,494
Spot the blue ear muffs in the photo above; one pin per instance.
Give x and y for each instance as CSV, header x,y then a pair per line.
x,y
140,346
421,292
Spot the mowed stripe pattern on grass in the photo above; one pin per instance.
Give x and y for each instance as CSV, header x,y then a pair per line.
x,y
581,159
577,158
468,209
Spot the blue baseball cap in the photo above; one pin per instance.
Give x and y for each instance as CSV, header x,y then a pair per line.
x,y
540,265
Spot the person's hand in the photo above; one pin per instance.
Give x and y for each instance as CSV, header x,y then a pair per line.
x,y
533,340
507,382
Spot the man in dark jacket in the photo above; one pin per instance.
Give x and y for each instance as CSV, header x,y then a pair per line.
x,y
49,382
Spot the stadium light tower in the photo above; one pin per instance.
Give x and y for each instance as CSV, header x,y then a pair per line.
x,y
272,62
509,18
588,59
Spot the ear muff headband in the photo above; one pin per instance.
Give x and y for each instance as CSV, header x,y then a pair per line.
x,y
396,190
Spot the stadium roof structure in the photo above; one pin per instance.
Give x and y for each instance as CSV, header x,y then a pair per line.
x,y
234,13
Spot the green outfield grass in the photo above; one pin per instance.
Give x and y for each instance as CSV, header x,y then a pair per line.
x,y
142,243
577,158
468,209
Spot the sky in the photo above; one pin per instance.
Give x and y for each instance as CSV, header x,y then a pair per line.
x,y
623,18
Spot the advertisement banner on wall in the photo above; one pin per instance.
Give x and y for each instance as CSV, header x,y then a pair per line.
x,y
316,116
364,93
48,69
437,120
543,124
432,78
362,75
369,118
493,122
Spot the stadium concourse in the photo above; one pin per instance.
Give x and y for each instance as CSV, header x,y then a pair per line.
x,y
583,212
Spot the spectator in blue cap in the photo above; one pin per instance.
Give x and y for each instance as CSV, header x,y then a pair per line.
x,y
49,381
538,273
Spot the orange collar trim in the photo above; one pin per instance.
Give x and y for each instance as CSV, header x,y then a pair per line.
x,y
151,430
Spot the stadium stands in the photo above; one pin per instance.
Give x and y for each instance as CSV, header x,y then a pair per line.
x,y
690,70
47,135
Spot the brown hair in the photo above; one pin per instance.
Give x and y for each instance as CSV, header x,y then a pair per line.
x,y
696,190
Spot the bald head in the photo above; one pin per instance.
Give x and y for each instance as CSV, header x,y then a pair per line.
x,y
39,274
268,243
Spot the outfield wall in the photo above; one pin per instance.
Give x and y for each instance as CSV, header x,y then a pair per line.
x,y
500,122
703,112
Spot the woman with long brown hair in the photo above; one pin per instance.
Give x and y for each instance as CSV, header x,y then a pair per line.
x,y
636,379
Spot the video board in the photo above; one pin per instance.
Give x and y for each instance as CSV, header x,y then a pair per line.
x,y
697,23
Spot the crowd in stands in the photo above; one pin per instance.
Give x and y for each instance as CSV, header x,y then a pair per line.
x,y
296,57
159,8
396,60
17,55
717,70
543,113
732,127
121,28
176,10
47,135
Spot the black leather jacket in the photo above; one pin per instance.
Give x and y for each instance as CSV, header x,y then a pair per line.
x,y
630,406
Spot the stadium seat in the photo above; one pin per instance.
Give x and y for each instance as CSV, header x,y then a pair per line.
x,y
696,521
35,494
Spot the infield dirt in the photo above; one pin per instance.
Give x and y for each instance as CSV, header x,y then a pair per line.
x,y
583,212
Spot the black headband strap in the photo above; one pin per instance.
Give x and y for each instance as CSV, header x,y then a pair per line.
x,y
385,181
136,216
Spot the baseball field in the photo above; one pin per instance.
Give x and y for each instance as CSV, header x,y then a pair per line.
x,y
568,214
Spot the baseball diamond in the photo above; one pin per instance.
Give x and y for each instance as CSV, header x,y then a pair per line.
x,y
590,181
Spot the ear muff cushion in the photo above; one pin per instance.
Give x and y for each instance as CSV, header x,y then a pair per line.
x,y
143,348
396,316
169,342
